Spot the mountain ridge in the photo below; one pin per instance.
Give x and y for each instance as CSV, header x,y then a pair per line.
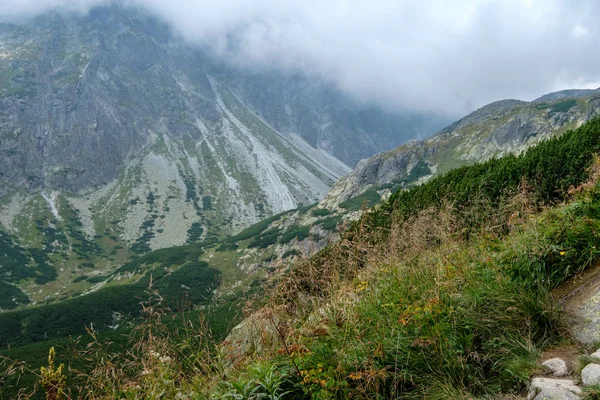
x,y
501,127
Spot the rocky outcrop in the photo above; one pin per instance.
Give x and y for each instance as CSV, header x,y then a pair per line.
x,y
553,389
508,126
81,96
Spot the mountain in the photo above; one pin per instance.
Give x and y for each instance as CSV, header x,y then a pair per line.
x,y
429,295
499,128
110,107
117,138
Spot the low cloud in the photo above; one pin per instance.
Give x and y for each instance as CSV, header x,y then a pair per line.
x,y
430,55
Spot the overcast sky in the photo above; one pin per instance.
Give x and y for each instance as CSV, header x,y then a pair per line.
x,y
426,55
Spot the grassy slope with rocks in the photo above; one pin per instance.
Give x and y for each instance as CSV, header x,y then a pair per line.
x,y
440,292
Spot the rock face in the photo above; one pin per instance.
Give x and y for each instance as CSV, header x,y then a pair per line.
x,y
580,299
503,127
109,108
98,89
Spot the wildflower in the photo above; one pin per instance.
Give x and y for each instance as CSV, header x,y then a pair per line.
x,y
164,359
562,253
355,376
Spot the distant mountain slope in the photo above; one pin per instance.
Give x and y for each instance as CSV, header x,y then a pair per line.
x,y
109,108
116,138
502,127
100,88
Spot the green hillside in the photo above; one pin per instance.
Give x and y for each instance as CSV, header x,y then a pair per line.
x,y
442,291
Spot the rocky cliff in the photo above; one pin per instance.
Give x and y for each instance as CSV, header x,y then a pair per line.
x,y
111,108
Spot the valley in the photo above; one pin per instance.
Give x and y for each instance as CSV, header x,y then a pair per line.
x,y
175,224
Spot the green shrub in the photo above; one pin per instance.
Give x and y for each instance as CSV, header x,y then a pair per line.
x,y
190,285
265,239
227,246
549,168
366,199
320,212
195,232
562,106
290,253
255,229
330,223
294,232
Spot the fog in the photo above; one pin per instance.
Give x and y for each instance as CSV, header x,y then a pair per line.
x,y
448,57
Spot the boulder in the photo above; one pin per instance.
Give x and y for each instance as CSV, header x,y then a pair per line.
x,y
553,389
558,366
590,375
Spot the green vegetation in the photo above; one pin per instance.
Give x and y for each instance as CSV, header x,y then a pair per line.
x,y
290,253
367,199
227,246
191,284
459,307
97,279
265,239
560,107
195,232
255,229
320,212
440,292
81,245
11,296
420,170
207,203
294,232
549,169
330,223
18,264
165,258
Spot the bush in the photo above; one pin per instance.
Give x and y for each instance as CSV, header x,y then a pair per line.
x,y
320,212
294,232
366,199
330,223
265,240
290,253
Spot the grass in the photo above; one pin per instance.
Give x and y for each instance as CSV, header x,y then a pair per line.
x,y
431,312
430,297
441,292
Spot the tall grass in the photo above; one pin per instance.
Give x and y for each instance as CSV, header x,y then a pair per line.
x,y
442,292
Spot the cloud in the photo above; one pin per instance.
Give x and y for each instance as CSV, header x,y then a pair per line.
x,y
431,55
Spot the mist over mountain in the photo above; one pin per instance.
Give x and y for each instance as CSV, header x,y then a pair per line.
x,y
430,56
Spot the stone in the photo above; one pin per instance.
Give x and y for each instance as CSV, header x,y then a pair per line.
x,y
558,366
553,389
596,354
590,375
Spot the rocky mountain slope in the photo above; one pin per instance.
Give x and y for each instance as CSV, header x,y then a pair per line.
x,y
507,126
117,138
110,107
